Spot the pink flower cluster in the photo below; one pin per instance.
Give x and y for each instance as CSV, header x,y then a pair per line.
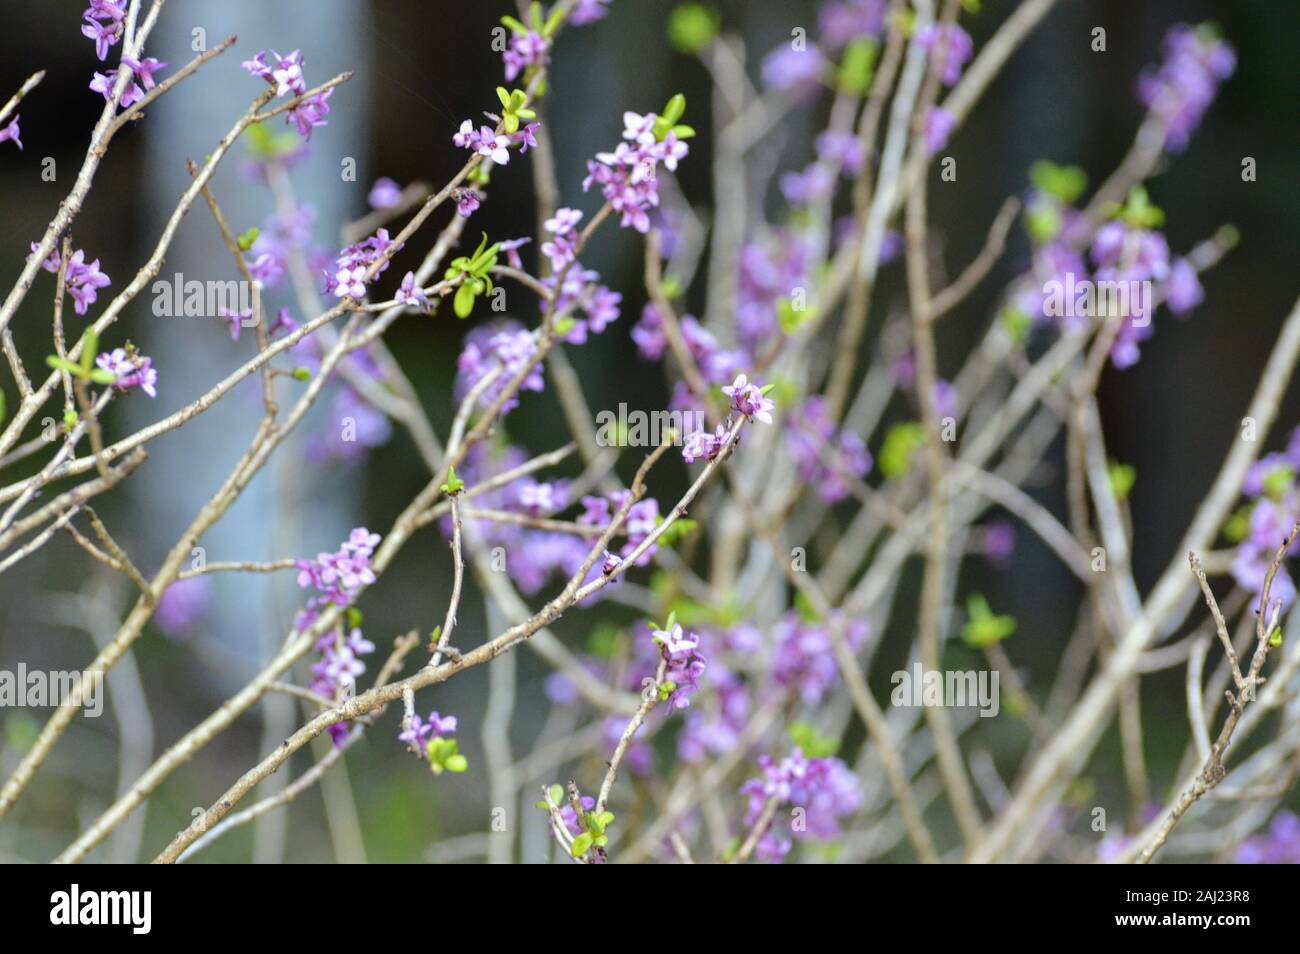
x,y
686,663
82,280
104,24
628,176
337,577
130,369
826,789
348,279
286,75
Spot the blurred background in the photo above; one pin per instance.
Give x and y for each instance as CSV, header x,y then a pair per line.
x,y
420,68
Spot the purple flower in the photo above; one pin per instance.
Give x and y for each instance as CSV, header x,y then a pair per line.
x,y
11,132
132,370
526,138
310,113
701,445
749,399
523,52
685,663
588,11
795,71
1280,845
510,346
337,577
1183,290
483,141
182,605
627,176
144,69
103,84
825,788
384,193
843,22
562,249
415,733
351,266
511,248
939,124
467,202
283,72
827,457
411,294
104,24
1196,61
804,659
998,542
955,46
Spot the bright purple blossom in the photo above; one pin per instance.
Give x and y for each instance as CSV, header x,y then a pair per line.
x,y
1196,61
182,605
686,663
11,132
939,124
104,24
952,44
825,788
508,345
348,279
144,69
523,52
81,280
749,399
103,84
384,193
131,370
483,141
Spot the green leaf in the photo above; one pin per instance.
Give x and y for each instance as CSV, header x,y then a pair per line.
x,y
454,484
1275,637
674,110
463,303
803,605
515,26
790,317
676,530
245,241
1064,182
456,763
858,66
1016,323
60,364
901,443
557,794
1122,478
582,844
504,98
1278,481
1140,212
984,628
692,27
1043,222
1238,525
301,374
813,745
102,376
